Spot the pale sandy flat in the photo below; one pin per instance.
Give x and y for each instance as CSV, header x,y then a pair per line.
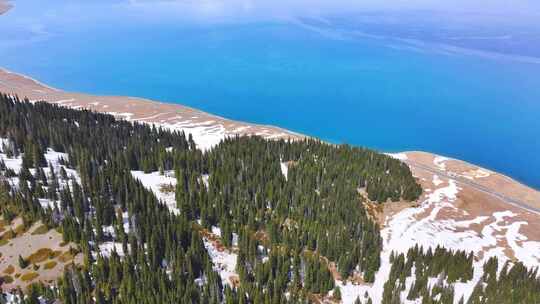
x,y
136,108
476,214
27,244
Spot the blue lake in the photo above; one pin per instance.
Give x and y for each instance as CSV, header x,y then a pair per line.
x,y
469,92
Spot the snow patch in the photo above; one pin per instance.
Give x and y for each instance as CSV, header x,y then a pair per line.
x,y
400,156
107,248
439,161
284,169
224,261
155,181
436,180
205,134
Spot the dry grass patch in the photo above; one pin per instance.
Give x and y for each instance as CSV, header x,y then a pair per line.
x,y
29,276
167,188
49,265
8,235
55,254
40,230
9,270
40,255
6,279
66,257
17,275
3,242
20,230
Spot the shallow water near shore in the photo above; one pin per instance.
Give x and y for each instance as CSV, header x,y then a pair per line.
x,y
357,78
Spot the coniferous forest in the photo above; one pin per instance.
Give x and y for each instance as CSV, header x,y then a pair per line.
x,y
288,230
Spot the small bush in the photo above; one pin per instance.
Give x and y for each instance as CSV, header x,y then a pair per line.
x,y
8,235
6,279
54,254
49,265
65,257
40,255
20,230
9,270
41,230
29,276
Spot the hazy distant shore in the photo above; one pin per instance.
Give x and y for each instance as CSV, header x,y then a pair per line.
x,y
4,6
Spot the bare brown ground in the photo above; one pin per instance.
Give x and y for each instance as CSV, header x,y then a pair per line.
x,y
499,182
28,244
472,203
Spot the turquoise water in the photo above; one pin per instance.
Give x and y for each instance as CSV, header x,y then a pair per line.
x,y
354,78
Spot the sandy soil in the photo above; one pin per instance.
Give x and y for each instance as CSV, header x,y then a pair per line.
x,y
472,204
487,178
25,245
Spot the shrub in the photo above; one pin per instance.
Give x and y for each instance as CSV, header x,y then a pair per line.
x,y
6,279
29,276
49,265
22,262
9,270
41,230
40,255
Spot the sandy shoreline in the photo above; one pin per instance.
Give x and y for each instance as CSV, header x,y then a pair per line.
x,y
448,213
168,115
209,129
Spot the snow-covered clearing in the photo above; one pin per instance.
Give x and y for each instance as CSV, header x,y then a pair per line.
x,y
53,159
475,174
439,161
157,183
284,169
400,156
224,261
107,248
205,134
429,225
13,163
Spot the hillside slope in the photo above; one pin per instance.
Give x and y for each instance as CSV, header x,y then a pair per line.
x,y
146,204
478,216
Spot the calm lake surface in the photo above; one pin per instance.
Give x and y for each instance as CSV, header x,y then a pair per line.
x,y
389,81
